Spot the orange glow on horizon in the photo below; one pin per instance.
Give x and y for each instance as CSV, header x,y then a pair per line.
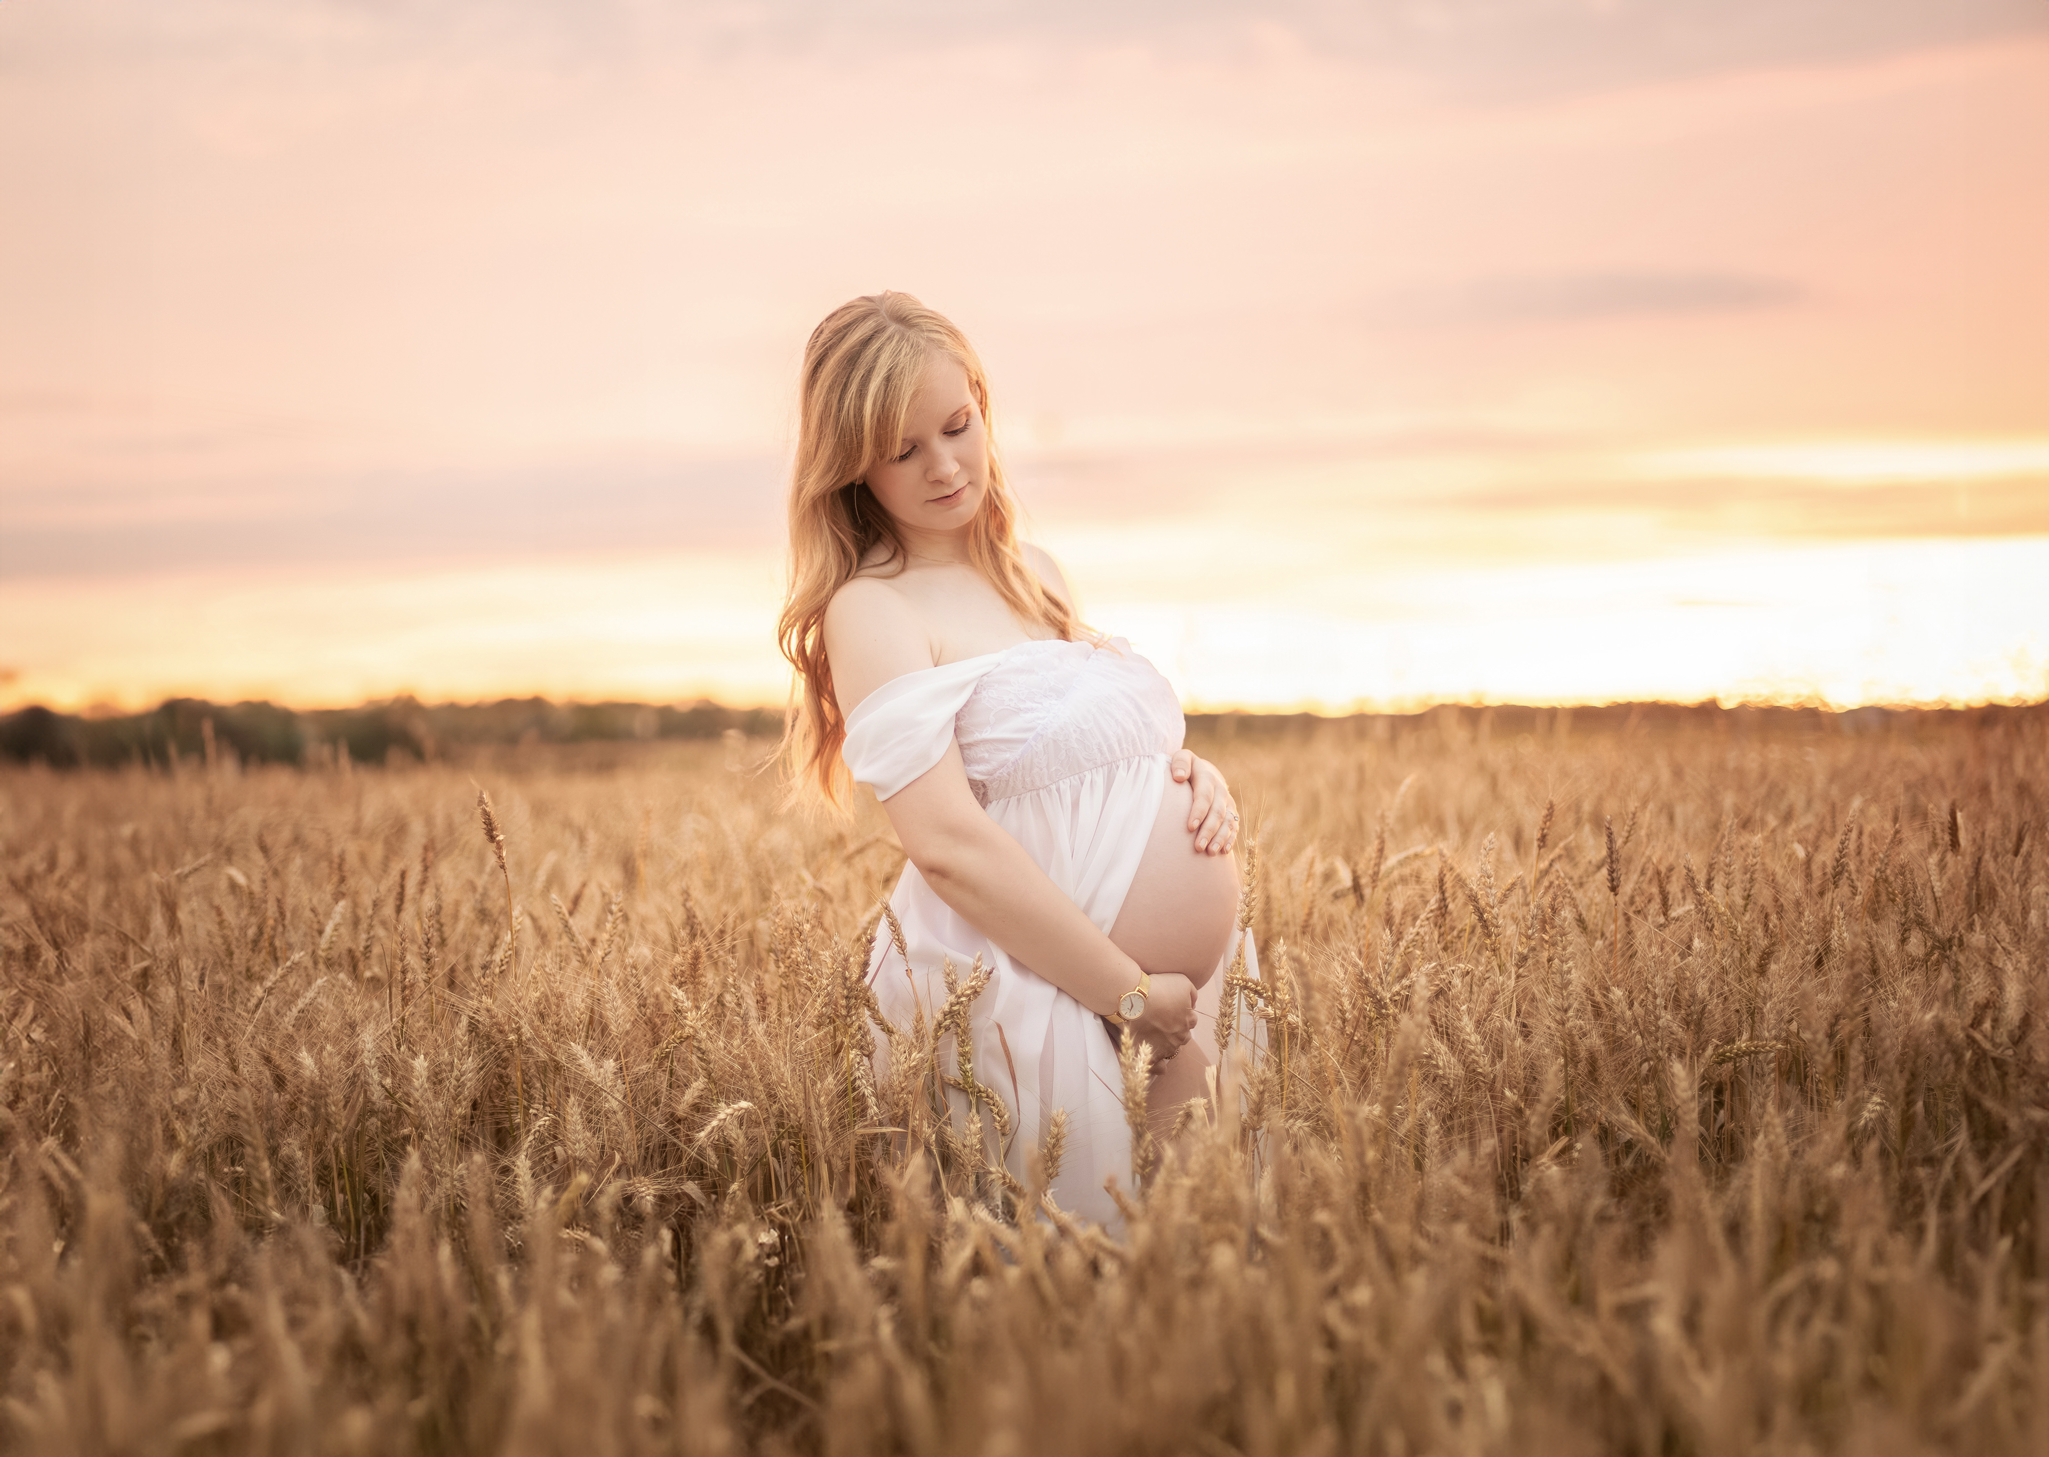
x,y
1864,462
1927,622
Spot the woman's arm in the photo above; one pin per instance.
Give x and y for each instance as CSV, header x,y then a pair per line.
x,y
974,865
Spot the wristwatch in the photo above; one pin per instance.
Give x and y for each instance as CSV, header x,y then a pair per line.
x,y
1131,1006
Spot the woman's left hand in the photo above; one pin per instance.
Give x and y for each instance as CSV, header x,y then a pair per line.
x,y
1212,813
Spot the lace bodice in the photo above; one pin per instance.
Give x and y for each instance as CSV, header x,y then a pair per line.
x,y
1029,716
1050,710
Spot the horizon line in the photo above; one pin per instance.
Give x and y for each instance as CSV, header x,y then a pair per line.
x,y
1361,708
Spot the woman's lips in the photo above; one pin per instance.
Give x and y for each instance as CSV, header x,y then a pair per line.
x,y
949,498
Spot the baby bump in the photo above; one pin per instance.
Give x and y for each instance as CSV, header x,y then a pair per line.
x,y
1182,905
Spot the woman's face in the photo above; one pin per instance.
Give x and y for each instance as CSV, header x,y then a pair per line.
x,y
936,479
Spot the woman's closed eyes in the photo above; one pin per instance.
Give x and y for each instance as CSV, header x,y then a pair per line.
x,y
911,449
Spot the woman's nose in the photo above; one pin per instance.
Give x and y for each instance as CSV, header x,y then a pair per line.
x,y
942,467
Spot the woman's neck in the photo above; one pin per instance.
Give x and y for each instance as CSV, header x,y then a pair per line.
x,y
934,548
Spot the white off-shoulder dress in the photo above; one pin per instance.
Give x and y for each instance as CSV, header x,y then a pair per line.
x,y
1066,745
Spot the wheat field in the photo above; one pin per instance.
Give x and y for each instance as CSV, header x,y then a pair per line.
x,y
1670,1089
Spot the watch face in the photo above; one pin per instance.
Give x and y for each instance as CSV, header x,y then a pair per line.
x,y
1133,1006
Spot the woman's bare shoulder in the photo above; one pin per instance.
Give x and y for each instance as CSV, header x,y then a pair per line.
x,y
1041,561
872,634
868,607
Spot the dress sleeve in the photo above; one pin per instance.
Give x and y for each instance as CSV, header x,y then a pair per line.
x,y
902,729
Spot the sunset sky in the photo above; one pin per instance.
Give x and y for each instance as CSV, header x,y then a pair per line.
x,y
1346,354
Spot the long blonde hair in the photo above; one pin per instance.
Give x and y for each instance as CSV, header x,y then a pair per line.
x,y
862,366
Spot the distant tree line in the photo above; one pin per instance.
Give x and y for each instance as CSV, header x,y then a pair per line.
x,y
264,733
406,729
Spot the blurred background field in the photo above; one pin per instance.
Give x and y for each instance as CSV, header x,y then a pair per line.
x,y
1667,1085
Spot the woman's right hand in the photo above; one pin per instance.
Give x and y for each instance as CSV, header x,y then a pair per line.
x,y
1169,1018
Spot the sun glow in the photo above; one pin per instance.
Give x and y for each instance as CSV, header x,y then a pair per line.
x,y
1930,621
1941,621
1859,462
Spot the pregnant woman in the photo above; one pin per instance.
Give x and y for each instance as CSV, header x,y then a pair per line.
x,y
1032,770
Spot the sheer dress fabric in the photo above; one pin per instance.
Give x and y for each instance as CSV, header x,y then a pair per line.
x,y
1066,746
